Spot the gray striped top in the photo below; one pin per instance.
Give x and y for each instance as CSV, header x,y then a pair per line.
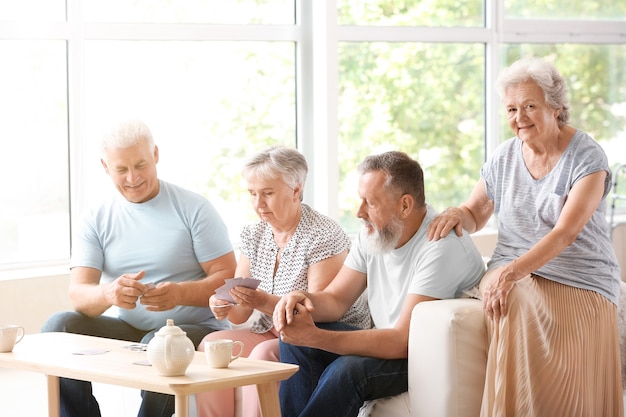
x,y
527,209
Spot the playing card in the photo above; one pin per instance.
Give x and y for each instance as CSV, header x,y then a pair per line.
x,y
142,347
90,352
223,292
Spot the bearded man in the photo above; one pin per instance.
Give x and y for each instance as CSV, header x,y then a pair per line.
x,y
341,366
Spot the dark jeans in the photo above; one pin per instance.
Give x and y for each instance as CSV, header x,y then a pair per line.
x,y
77,399
329,385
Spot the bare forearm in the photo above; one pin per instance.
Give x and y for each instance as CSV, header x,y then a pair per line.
x,y
375,343
197,293
327,308
241,313
269,304
89,299
470,223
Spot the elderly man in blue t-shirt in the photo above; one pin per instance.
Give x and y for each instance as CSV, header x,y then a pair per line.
x,y
154,251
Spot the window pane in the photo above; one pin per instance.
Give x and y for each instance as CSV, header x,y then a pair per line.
x,y
423,99
596,76
34,203
209,105
48,10
446,13
565,9
191,11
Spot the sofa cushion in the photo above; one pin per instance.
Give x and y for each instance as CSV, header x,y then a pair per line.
x,y
448,357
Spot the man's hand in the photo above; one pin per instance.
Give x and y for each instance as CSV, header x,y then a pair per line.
x,y
287,306
164,297
126,290
301,330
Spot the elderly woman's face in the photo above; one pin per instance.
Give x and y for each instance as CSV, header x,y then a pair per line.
x,y
530,118
273,200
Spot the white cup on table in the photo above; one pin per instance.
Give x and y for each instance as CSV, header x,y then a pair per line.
x,y
10,335
219,353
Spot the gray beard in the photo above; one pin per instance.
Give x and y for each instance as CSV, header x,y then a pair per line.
x,y
380,242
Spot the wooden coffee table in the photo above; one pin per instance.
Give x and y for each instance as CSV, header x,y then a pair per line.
x,y
110,361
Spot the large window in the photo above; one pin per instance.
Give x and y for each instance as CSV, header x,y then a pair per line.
x,y
209,104
424,99
218,80
34,197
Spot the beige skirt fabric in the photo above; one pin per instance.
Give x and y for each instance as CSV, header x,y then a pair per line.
x,y
556,353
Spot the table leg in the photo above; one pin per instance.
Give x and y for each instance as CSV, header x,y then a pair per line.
x,y
54,406
181,405
268,399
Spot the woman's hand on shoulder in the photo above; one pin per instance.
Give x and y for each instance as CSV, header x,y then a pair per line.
x,y
449,219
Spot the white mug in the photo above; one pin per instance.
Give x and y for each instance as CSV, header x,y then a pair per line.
x,y
219,353
10,334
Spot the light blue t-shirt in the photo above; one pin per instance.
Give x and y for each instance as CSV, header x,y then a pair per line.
x,y
440,269
528,209
167,237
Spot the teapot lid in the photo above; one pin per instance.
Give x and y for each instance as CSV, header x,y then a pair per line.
x,y
169,328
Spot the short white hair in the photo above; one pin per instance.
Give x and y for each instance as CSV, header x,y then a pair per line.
x,y
278,162
125,134
545,75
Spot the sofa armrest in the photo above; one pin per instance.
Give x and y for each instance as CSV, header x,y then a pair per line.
x,y
447,358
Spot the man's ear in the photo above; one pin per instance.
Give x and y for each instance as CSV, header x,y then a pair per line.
x,y
406,205
156,154
104,165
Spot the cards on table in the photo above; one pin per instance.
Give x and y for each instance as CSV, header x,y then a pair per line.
x,y
137,347
223,292
92,351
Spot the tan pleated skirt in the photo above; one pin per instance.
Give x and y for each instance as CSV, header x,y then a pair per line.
x,y
556,353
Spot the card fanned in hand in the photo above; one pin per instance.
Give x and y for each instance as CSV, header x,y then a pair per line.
x,y
223,292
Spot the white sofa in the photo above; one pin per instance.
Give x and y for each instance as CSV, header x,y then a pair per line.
x,y
447,361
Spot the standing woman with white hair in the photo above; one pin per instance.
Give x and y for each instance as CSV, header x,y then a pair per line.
x,y
552,285
292,247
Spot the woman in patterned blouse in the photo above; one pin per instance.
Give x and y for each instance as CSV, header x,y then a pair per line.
x,y
292,247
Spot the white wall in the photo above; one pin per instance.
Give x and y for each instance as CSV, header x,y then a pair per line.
x,y
30,301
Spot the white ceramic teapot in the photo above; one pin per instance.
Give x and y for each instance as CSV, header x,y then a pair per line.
x,y
170,351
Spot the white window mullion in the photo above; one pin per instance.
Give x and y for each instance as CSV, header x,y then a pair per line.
x,y
188,32
318,127
76,117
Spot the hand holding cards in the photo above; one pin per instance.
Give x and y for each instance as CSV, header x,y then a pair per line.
x,y
223,292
